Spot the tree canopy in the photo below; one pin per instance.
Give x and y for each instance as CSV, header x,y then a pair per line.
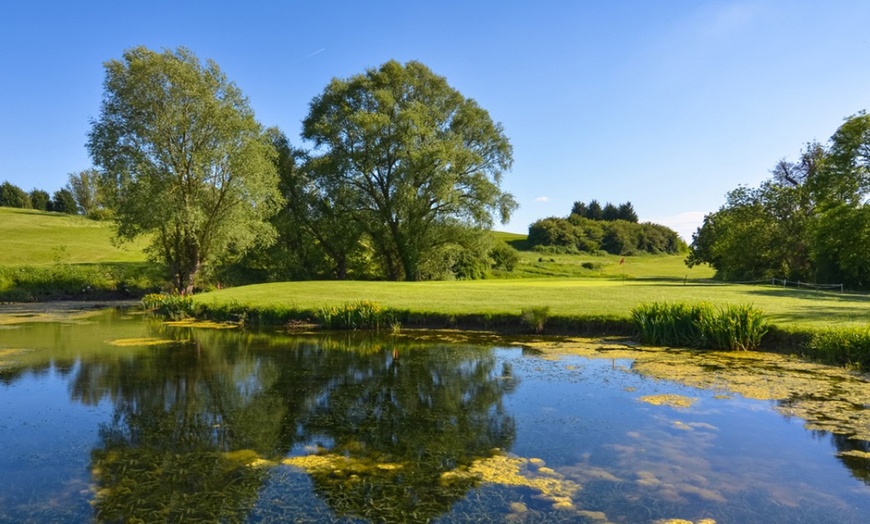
x,y
613,229
808,222
403,155
183,160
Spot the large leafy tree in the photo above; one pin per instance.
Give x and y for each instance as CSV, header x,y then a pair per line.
x,y
315,227
413,160
183,160
846,177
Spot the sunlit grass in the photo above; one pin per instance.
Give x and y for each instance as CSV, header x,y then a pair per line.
x,y
29,237
564,297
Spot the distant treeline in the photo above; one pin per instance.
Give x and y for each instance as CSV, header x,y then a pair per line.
x,y
614,229
79,196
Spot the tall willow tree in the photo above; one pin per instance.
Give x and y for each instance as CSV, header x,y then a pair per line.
x,y
415,163
183,160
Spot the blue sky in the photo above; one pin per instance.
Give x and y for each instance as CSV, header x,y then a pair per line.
x,y
668,104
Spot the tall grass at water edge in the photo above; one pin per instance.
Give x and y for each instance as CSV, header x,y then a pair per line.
x,y
349,316
732,327
848,346
356,315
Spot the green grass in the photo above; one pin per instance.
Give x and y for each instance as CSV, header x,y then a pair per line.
x,y
533,264
565,297
49,256
36,238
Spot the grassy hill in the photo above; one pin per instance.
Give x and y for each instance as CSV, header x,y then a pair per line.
x,y
47,256
38,238
534,264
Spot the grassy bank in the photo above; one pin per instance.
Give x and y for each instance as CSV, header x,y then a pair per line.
x,y
566,298
795,320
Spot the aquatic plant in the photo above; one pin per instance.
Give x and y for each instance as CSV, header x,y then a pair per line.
x,y
172,305
734,327
356,315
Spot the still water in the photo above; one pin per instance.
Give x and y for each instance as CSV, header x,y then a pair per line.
x,y
114,417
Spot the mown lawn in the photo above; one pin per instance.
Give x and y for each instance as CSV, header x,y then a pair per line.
x,y
568,297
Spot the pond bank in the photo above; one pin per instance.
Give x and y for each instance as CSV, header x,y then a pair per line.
x,y
778,339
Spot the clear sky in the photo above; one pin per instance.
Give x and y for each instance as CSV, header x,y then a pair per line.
x,y
668,104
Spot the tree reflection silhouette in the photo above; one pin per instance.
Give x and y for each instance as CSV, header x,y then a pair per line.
x,y
195,424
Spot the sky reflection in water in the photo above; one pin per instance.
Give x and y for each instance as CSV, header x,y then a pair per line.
x,y
239,427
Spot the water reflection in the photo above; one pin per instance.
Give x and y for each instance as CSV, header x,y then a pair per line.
x,y
192,421
179,424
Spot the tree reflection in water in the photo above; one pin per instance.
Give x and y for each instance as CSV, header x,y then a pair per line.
x,y
196,424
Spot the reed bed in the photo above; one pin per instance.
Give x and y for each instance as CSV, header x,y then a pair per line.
x,y
732,327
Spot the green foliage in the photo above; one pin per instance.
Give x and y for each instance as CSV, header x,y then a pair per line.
x,y
183,161
842,346
846,177
758,234
609,213
317,236
504,257
734,327
172,305
535,317
355,315
810,222
410,160
39,200
552,231
841,245
617,237
13,196
85,188
66,281
63,201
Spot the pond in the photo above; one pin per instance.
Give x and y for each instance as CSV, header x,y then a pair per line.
x,y
115,417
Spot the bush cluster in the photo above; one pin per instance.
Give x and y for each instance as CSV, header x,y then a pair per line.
x,y
617,237
733,327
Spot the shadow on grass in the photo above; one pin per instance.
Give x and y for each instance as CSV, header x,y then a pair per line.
x,y
809,294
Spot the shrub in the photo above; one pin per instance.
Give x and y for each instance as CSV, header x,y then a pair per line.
x,y
535,317
504,257
734,327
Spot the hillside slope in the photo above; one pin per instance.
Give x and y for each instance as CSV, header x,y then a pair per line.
x,y
29,237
